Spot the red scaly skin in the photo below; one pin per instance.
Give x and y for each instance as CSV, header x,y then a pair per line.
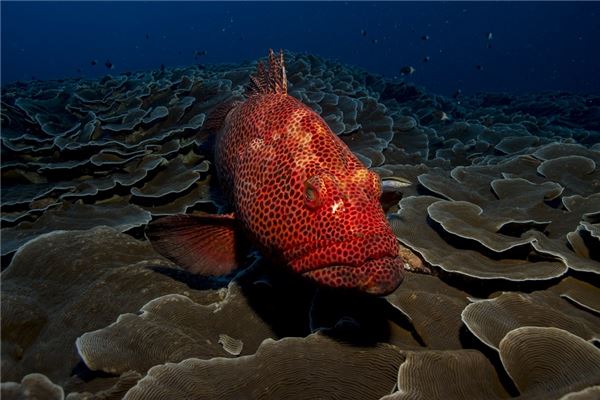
x,y
301,193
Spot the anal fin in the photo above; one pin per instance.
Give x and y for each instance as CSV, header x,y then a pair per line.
x,y
204,245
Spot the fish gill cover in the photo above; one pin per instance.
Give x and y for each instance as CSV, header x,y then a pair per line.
x,y
486,137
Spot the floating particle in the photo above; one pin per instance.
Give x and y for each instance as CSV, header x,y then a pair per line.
x,y
407,70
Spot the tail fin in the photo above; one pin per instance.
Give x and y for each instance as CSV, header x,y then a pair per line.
x,y
271,79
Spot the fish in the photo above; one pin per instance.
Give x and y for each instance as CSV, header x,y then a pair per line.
x,y
425,38
489,36
374,41
94,62
479,67
363,32
198,53
407,70
426,59
108,64
296,191
147,36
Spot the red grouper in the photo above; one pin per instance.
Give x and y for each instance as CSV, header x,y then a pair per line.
x,y
297,191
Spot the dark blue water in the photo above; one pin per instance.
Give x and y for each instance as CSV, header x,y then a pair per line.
x,y
535,45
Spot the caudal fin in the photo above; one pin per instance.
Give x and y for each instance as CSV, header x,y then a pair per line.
x,y
269,79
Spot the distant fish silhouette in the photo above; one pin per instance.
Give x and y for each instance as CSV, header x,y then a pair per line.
x,y
425,37
490,36
109,64
457,93
147,36
374,41
426,59
479,67
199,53
363,32
407,70
94,62
162,67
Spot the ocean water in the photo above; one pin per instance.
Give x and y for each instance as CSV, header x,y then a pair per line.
x,y
535,45
178,222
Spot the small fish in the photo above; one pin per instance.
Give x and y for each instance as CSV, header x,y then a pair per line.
x,y
109,64
199,53
374,41
94,62
296,190
363,32
147,36
426,59
407,70
440,115
479,67
490,36
489,45
425,37
162,67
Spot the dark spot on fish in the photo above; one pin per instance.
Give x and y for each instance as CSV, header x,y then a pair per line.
x,y
425,37
94,62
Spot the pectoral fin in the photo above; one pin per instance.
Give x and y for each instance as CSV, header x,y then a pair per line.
x,y
205,245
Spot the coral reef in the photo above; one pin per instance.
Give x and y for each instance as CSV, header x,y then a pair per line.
x,y
498,194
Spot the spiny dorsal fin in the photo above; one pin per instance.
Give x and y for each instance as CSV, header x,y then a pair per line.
x,y
270,79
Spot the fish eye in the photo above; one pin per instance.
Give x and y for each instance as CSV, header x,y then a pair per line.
x,y
312,199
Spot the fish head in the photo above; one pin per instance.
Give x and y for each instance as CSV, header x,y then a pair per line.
x,y
347,241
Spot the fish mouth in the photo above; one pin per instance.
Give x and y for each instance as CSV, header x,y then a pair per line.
x,y
378,277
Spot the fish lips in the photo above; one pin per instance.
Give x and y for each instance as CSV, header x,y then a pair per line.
x,y
378,277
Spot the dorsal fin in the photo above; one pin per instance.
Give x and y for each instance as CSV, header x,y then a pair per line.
x,y
270,79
